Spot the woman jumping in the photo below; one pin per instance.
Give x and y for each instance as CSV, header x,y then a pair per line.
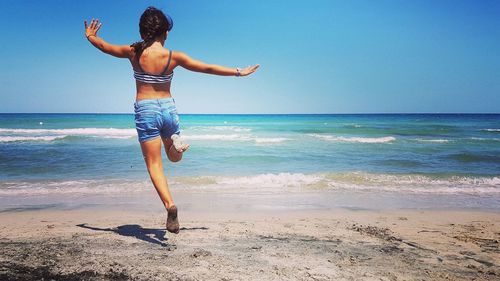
x,y
156,117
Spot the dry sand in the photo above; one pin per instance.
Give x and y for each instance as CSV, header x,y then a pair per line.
x,y
284,245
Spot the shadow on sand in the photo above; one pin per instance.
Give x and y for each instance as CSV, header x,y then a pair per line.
x,y
150,235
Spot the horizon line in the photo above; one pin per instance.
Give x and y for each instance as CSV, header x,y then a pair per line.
x,y
358,113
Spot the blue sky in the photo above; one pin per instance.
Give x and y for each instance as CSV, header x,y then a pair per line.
x,y
316,56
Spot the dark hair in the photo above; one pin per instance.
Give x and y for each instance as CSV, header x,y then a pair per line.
x,y
153,23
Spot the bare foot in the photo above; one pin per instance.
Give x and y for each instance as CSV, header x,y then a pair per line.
x,y
179,143
172,222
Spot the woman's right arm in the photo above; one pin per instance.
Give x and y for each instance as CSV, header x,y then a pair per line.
x,y
198,66
119,51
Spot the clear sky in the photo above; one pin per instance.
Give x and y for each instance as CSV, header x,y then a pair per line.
x,y
316,56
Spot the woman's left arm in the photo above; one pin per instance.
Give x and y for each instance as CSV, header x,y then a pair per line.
x,y
119,51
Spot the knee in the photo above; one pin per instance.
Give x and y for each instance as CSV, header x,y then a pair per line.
x,y
173,155
175,158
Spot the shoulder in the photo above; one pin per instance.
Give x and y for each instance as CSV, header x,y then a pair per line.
x,y
129,50
179,56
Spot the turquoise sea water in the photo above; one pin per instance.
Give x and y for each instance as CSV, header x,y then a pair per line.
x,y
409,153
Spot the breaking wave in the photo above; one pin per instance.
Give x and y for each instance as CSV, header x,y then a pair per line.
x,y
269,182
23,139
386,139
10,135
219,128
433,140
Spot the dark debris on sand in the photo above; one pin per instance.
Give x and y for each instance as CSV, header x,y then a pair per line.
x,y
78,258
12,271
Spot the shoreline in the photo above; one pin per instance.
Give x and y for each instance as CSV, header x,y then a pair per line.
x,y
248,200
337,244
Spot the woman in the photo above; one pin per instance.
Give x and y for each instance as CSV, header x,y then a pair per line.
x,y
156,116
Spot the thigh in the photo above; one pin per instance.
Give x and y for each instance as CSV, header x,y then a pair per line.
x,y
167,142
151,150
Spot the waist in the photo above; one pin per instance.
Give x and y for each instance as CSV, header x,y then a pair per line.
x,y
152,91
155,102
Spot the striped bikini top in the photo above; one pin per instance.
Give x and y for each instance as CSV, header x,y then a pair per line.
x,y
154,78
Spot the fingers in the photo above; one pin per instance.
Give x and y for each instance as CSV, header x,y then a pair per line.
x,y
98,27
94,24
252,69
93,27
249,70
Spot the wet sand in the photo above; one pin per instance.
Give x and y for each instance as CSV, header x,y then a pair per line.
x,y
336,244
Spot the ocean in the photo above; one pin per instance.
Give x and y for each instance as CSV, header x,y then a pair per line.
x,y
405,154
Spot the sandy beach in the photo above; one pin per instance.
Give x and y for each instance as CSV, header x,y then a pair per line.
x,y
334,244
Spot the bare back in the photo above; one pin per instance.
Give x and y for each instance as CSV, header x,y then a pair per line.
x,y
153,60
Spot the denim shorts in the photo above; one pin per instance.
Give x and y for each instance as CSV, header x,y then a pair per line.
x,y
156,117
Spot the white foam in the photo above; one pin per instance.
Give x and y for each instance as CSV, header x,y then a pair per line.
x,y
270,183
484,139
236,129
491,130
116,137
414,183
114,133
21,138
270,140
231,137
67,187
386,139
280,182
367,140
235,137
271,180
73,131
353,125
349,181
93,132
433,140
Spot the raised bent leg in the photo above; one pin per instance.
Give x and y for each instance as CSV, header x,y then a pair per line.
x,y
172,153
151,150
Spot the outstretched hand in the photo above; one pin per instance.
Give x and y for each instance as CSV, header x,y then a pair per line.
x,y
91,30
249,70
